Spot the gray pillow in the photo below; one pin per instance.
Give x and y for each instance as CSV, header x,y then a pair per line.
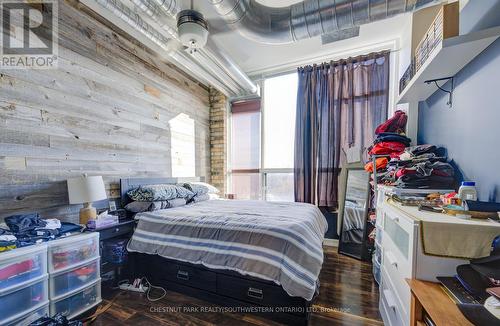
x,y
147,206
196,189
183,192
151,193
202,197
211,189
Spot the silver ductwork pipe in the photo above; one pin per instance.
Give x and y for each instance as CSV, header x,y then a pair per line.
x,y
308,18
170,7
169,45
161,16
212,58
230,67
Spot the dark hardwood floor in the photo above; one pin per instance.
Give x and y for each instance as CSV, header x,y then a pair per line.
x,y
348,296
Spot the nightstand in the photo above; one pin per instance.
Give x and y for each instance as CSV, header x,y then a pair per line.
x,y
112,245
429,301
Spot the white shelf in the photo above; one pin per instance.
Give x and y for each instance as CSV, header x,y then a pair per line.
x,y
447,59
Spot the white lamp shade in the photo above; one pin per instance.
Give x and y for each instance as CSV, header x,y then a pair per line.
x,y
86,189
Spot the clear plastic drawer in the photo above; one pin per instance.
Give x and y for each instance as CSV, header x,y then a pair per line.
x,y
75,303
67,281
72,251
22,298
21,265
30,316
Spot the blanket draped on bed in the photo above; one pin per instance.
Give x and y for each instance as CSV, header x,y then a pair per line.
x,y
281,242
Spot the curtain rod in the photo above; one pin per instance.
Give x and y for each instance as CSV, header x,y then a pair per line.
x,y
359,58
292,70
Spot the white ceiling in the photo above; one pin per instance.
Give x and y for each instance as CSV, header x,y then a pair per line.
x,y
254,58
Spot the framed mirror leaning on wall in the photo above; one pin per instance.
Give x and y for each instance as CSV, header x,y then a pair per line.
x,y
353,211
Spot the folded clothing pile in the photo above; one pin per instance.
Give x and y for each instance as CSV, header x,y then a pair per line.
x,y
7,240
29,229
396,124
398,164
390,142
419,167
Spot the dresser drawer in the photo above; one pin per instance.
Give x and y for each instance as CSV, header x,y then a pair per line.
x,y
400,230
393,310
190,276
395,260
397,270
261,293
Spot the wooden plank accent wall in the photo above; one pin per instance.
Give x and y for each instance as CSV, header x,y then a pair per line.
x,y
104,111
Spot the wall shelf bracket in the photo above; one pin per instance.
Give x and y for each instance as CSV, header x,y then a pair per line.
x,y
449,92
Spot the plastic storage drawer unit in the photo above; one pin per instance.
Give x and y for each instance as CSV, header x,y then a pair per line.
x,y
29,317
77,302
72,251
21,265
67,281
20,299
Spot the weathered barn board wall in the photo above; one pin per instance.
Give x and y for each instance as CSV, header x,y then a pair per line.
x,y
104,111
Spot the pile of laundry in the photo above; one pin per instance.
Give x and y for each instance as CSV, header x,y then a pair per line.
x,y
28,229
57,320
390,142
398,164
419,167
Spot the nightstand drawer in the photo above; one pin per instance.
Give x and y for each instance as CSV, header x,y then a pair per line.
x,y
116,231
261,293
187,275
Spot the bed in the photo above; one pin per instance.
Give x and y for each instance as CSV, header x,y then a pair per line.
x,y
253,256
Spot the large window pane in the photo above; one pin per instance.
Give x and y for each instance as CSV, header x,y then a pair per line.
x,y
246,185
279,187
245,140
280,98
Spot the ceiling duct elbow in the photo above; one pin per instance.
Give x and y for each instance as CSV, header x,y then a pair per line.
x,y
307,18
170,7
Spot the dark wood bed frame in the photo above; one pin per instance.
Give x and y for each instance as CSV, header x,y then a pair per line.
x,y
226,288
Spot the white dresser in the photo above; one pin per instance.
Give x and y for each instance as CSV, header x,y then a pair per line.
x,y
402,258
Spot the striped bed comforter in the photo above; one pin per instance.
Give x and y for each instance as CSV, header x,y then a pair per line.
x,y
276,241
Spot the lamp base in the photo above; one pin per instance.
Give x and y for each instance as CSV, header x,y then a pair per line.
x,y
87,213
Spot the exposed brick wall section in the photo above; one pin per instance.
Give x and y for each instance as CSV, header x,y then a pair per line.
x,y
218,139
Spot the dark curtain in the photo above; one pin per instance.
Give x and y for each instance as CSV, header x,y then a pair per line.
x,y
339,105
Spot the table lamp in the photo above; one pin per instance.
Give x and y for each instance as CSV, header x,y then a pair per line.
x,y
85,190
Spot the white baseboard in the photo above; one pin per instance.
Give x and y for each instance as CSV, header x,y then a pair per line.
x,y
331,242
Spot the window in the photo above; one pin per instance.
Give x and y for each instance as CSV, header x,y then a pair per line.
x,y
280,99
269,177
245,149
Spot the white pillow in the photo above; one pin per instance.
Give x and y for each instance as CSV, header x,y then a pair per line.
x,y
211,189
214,196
